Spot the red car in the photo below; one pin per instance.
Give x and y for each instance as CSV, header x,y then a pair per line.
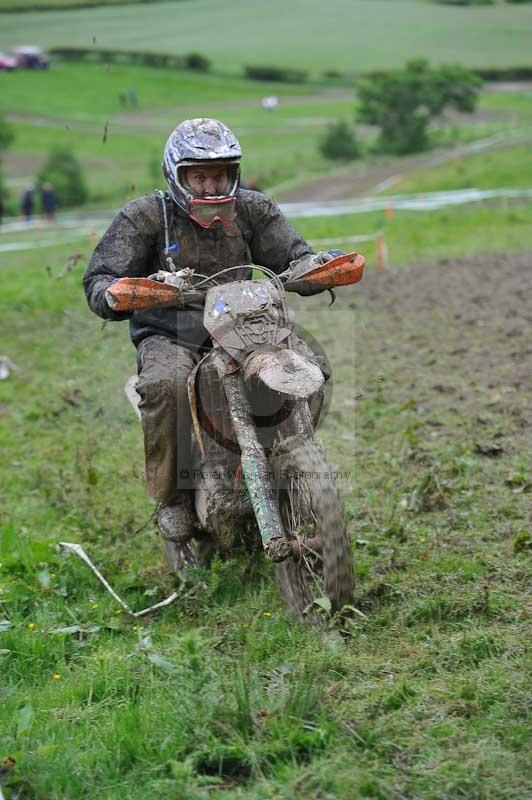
x,y
30,58
7,63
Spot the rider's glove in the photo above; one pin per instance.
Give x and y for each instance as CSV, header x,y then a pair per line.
x,y
111,301
298,269
163,276
182,280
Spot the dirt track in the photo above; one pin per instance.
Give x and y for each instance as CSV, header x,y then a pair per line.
x,y
453,341
369,178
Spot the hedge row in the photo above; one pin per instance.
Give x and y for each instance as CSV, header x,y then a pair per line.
x,y
199,62
170,61
478,2
74,6
189,61
271,73
466,2
523,73
505,73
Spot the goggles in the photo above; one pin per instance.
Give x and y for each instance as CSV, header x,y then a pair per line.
x,y
206,212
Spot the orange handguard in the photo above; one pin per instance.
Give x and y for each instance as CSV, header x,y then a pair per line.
x,y
340,271
133,294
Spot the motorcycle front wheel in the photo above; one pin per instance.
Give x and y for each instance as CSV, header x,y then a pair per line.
x,y
318,578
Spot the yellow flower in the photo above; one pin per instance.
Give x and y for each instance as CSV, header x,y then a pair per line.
x,y
32,626
267,613
134,628
94,605
56,676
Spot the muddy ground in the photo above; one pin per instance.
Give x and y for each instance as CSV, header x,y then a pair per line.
x,y
453,342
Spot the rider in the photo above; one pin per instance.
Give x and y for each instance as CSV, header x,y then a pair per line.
x,y
206,222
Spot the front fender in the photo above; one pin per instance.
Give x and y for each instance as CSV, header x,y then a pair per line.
x,y
284,371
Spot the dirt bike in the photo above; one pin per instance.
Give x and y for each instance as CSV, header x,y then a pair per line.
x,y
261,474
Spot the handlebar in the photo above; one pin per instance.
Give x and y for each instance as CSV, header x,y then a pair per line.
x,y
132,294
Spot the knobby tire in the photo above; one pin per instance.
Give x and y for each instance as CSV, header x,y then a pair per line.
x,y
310,506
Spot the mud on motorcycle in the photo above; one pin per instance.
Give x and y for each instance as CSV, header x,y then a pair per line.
x,y
260,469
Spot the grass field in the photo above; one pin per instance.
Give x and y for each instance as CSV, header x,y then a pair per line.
x,y
125,165
346,35
90,92
417,237
222,695
516,105
509,168
272,141
278,147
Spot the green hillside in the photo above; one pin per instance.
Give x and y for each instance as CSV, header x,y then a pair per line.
x,y
346,35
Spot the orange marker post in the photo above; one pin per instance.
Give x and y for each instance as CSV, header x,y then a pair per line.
x,y
381,261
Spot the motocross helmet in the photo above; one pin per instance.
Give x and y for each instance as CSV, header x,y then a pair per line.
x,y
205,142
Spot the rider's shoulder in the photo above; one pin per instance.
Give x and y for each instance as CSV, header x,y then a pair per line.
x,y
254,203
144,210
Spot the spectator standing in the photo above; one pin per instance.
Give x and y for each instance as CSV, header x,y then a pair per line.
x,y
48,200
26,203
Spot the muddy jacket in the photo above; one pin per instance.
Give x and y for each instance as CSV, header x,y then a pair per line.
x,y
134,246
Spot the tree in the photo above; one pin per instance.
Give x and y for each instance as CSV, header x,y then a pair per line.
x,y
63,170
402,103
340,142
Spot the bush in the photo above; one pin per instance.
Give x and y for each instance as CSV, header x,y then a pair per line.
x,y
63,170
402,103
198,62
340,142
271,73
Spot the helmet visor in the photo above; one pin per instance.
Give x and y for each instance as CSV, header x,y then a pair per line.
x,y
209,211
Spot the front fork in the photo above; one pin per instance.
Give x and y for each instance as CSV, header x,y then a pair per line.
x,y
256,470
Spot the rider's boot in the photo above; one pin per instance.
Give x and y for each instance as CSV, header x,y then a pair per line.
x,y
177,523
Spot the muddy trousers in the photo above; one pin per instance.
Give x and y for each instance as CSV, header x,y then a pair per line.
x,y
164,368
